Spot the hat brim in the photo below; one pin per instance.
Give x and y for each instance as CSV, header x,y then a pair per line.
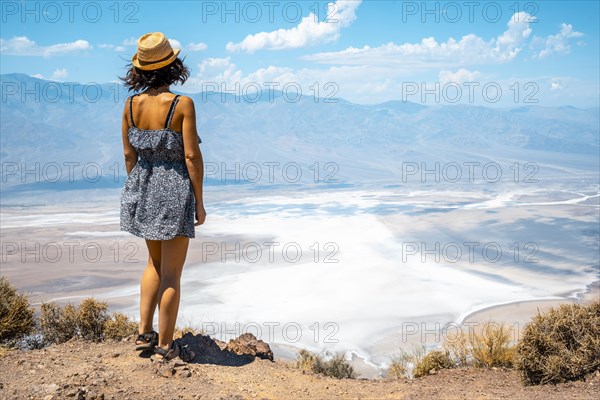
x,y
150,66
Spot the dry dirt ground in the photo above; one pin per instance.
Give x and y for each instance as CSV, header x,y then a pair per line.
x,y
113,370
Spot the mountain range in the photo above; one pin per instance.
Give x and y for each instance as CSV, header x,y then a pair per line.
x,y
60,135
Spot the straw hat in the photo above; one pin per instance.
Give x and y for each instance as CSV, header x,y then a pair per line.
x,y
154,52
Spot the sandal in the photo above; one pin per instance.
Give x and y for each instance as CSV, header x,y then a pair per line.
x,y
176,350
147,341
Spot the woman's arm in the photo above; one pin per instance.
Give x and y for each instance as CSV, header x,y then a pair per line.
x,y
129,151
193,155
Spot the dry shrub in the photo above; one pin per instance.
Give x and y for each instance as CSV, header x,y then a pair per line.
x,y
119,326
91,317
459,348
398,368
180,331
560,345
305,360
491,347
403,364
16,315
434,360
335,366
58,324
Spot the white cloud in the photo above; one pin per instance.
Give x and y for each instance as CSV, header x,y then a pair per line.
x,y
558,43
362,82
222,71
508,44
130,42
196,46
460,76
59,74
366,84
308,32
176,44
127,44
368,75
113,47
23,46
470,49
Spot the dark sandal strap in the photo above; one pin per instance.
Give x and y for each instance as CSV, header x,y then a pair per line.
x,y
185,353
147,340
176,350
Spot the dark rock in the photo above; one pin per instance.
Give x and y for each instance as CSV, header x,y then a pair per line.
x,y
247,343
239,351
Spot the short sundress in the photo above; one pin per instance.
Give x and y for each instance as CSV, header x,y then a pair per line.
x,y
157,200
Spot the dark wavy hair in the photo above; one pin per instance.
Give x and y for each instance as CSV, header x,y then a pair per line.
x,y
138,80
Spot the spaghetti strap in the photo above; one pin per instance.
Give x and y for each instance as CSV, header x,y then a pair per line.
x,y
171,111
131,110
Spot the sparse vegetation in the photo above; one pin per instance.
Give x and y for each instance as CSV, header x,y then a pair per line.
x,y
58,324
188,327
16,315
434,360
560,345
335,365
305,360
90,321
403,364
119,326
490,347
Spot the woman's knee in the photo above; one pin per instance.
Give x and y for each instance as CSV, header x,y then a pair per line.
x,y
154,264
170,279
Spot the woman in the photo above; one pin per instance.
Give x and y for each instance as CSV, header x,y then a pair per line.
x,y
163,190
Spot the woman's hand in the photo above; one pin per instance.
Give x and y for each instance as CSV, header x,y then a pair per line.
x,y
200,214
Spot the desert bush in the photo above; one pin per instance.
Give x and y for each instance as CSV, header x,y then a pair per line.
x,y
491,347
305,360
188,328
398,368
560,345
58,324
335,366
402,364
458,348
16,315
119,326
434,360
91,319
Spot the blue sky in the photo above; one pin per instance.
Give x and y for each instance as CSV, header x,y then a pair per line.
x,y
534,52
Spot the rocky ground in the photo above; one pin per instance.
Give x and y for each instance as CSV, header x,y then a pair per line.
x,y
113,370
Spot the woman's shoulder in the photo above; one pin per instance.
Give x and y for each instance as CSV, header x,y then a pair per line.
x,y
183,99
186,103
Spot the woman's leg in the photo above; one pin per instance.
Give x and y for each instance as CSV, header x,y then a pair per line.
x,y
173,254
149,286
